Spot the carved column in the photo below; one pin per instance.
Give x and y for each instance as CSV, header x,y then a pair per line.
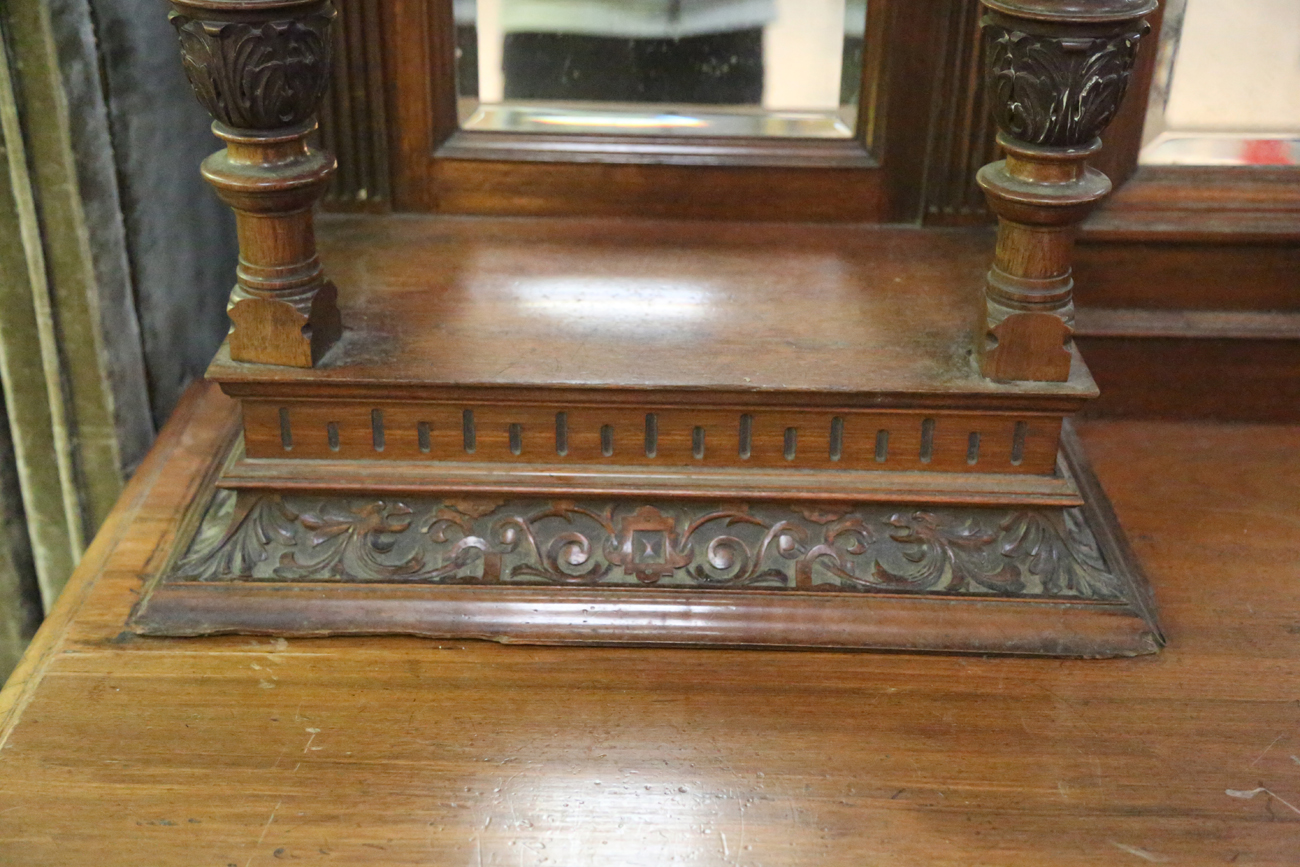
x,y
261,67
1056,71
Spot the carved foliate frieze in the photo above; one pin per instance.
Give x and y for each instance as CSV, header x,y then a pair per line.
x,y
281,538
1060,91
259,76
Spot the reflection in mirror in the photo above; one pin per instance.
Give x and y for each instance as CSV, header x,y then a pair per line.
x,y
789,68
1226,89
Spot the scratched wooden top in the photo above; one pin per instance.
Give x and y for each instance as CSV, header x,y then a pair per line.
x,y
653,305
124,751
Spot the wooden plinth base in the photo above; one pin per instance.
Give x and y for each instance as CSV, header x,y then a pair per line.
x,y
1034,580
655,433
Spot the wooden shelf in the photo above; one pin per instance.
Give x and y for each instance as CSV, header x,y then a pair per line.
x,y
568,356
866,316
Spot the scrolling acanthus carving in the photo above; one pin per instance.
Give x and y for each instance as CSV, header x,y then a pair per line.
x,y
764,547
258,76
1055,90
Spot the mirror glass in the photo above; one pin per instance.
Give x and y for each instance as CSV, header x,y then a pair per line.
x,y
790,68
1226,89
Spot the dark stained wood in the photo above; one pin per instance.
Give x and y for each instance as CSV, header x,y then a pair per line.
x,y
962,134
1209,324
650,619
353,117
1196,377
789,333
398,750
1187,276
768,193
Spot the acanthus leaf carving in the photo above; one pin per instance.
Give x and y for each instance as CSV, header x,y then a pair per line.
x,y
261,76
954,551
1058,91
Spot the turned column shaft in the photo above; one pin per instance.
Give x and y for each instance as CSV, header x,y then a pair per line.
x,y
261,69
1056,71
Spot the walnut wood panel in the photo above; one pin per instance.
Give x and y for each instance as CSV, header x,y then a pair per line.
x,y
963,135
1240,277
1241,205
797,438
439,751
706,312
618,190
353,117
1226,379
1241,365
1209,324
431,478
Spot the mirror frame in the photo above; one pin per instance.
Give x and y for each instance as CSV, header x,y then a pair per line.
x,y
877,176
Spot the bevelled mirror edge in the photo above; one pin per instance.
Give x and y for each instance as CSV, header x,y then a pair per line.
x,y
454,141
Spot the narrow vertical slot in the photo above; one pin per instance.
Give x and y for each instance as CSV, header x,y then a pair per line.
x,y
1018,443
973,448
882,446
561,433
837,438
516,439
607,440
286,432
422,436
651,434
377,429
697,443
467,430
746,436
927,440
791,443
332,435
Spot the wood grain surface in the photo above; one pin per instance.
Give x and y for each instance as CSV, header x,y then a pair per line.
x,y
125,751
434,303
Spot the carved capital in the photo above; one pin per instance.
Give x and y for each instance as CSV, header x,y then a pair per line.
x,y
261,75
1057,90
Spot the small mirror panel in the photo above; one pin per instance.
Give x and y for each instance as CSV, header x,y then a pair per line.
x,y
783,68
1226,89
